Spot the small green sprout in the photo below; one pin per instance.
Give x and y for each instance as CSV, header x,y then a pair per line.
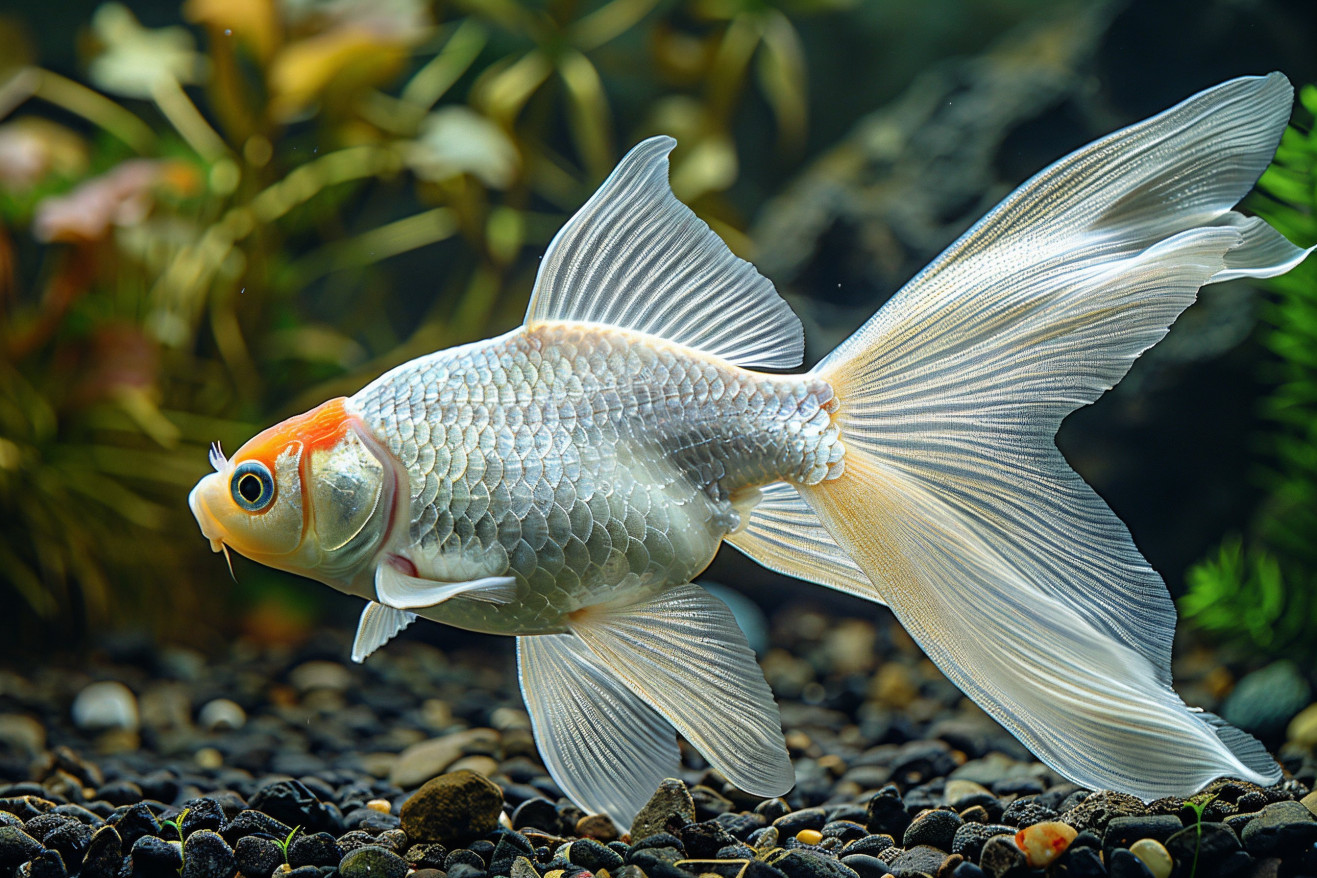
x,y
283,845
1198,804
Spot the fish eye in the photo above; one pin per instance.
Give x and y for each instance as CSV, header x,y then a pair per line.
x,y
252,486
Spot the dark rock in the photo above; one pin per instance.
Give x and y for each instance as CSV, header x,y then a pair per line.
x,y
290,802
656,863
845,830
539,813
207,855
397,841
740,825
737,851
302,872
452,809
866,866
156,857
1122,832
1027,812
920,761
760,869
1216,842
431,856
968,870
805,818
872,845
373,861
702,840
370,820
1081,862
47,864
462,870
1001,858
104,856
1264,701
771,809
257,857
970,838
921,858
71,840
597,826
317,849
201,813
136,822
511,846
120,792
709,803
251,822
668,810
590,854
464,857
16,846
886,813
1236,865
808,864
1123,864
1099,809
660,840
1279,830
935,828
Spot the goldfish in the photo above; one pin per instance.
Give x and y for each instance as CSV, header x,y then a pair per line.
x,y
567,482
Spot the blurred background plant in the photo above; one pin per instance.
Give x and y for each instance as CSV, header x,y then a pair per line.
x,y
1257,593
198,238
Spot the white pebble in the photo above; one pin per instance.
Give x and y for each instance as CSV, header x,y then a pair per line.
x,y
104,706
221,714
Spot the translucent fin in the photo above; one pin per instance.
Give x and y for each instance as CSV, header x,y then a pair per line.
x,y
396,589
604,747
634,256
785,535
684,655
1011,572
378,625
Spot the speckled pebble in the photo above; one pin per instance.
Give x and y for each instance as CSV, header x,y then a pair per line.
x,y
936,828
372,861
452,809
1002,858
207,855
670,808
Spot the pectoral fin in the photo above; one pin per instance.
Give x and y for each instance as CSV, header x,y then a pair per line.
x,y
379,624
684,655
396,589
604,746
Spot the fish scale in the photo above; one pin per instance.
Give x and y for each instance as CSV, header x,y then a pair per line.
x,y
587,462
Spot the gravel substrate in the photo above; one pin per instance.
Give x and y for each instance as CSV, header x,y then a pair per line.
x,y
292,762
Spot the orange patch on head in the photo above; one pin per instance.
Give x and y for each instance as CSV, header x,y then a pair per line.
x,y
321,427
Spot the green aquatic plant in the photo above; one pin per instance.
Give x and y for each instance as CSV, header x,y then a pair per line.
x,y
284,843
1198,804
1258,591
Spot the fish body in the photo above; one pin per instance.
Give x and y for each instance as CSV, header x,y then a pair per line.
x,y
589,463
566,482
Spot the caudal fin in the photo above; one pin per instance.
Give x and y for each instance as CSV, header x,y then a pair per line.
x,y
1013,575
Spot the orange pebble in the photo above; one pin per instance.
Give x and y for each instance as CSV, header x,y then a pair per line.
x,y
809,836
1042,843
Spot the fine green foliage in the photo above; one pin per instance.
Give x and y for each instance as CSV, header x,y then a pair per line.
x,y
1259,592
1198,804
283,844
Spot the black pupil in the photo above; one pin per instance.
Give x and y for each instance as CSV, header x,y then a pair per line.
x,y
249,486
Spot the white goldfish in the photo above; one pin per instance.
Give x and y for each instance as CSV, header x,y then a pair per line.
x,y
564,483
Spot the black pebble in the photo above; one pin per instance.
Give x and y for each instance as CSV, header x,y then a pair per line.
x,y
207,855
660,840
590,854
290,802
257,857
431,856
655,865
46,864
372,861
886,813
846,830
156,857
252,822
968,870
771,809
462,870
16,846
104,856
71,840
370,820
1002,859
805,818
1280,830
740,825
120,792
136,822
463,857
201,814
1124,831
1216,842
538,813
872,845
971,837
511,845
1080,862
736,851
302,872
1027,812
760,869
1123,864
933,828
702,840
317,849
808,864
866,866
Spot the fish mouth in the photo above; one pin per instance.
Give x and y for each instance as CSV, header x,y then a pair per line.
x,y
210,528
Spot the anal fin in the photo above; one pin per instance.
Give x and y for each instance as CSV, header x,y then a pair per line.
x,y
683,653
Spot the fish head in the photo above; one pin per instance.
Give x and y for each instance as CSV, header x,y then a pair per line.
x,y
313,495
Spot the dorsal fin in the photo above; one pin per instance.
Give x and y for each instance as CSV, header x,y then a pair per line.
x,y
635,257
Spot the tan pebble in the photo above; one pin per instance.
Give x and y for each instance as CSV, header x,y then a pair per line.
x,y
893,685
1042,843
958,789
381,805
809,836
1302,729
1154,855
482,765
208,757
1310,802
598,827
833,764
